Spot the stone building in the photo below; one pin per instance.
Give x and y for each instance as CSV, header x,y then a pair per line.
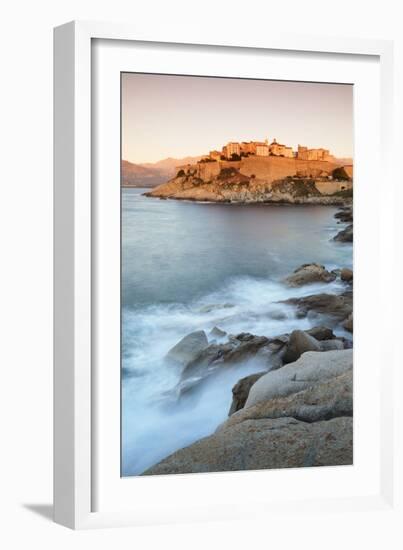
x,y
280,150
248,147
262,150
232,148
304,153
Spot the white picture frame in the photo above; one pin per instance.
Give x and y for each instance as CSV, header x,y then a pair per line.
x,y
78,425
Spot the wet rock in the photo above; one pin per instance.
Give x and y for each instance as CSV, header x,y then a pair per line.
x,y
325,400
328,345
241,389
345,236
345,215
244,337
188,348
246,350
308,370
299,343
277,315
217,333
301,419
309,273
346,275
338,306
206,357
347,343
321,333
348,323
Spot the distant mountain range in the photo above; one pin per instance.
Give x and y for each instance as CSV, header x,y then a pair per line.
x,y
151,174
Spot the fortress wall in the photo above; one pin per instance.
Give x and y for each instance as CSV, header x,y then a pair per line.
x,y
208,170
268,168
273,168
265,168
330,187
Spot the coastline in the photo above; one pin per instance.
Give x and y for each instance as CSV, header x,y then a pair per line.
x,y
235,187
280,420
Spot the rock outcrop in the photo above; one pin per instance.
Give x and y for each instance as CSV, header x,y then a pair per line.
x,y
321,333
235,182
345,215
299,343
346,275
348,323
241,390
188,348
309,273
336,306
328,399
345,235
301,419
310,368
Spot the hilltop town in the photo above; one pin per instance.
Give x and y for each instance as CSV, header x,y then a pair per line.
x,y
236,150
258,171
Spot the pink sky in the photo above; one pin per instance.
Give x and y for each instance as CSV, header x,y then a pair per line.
x,y
177,116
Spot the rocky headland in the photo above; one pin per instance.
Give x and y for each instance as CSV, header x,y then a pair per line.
x,y
264,180
296,409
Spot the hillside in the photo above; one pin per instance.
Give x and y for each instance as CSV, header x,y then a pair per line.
x,y
136,175
151,174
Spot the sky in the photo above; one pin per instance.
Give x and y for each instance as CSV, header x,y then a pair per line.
x,y
178,116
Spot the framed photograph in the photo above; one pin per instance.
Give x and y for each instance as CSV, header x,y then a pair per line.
x,y
220,237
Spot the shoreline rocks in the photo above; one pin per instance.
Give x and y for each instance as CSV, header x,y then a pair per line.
x,y
298,416
188,348
296,409
311,367
346,275
230,185
333,306
241,391
299,343
345,235
309,273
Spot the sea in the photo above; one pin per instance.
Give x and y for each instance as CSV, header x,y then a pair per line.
x,y
190,266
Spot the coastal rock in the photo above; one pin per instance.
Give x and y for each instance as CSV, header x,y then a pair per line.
x,y
310,368
253,180
346,275
338,306
249,346
348,323
345,215
289,427
206,357
345,236
217,333
321,333
188,348
328,345
239,349
265,444
241,389
309,273
277,315
322,401
299,343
